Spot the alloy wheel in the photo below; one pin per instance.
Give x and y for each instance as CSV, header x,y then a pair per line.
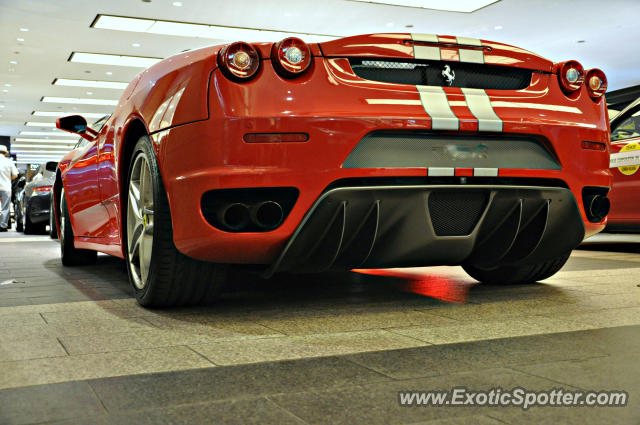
x,y
140,221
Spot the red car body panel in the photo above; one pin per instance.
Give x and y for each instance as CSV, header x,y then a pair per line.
x,y
624,195
197,118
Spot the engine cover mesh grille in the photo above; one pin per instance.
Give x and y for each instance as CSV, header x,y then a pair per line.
x,y
456,213
429,73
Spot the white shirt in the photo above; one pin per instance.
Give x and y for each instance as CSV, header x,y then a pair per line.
x,y
7,169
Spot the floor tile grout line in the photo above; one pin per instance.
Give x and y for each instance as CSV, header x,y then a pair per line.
x,y
267,397
498,419
63,346
202,355
372,369
93,390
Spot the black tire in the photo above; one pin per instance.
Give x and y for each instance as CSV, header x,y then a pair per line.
x,y
53,228
173,279
71,256
29,228
508,275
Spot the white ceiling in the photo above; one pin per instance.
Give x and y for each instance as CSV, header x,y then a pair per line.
x,y
59,27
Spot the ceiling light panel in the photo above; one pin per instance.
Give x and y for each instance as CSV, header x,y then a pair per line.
x,y
39,151
52,147
77,100
39,124
48,141
58,133
90,83
466,6
184,29
116,60
57,114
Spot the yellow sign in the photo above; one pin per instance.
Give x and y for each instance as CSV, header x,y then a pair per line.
x,y
630,169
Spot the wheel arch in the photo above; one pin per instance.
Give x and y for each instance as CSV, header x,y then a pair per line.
x,y
58,185
133,131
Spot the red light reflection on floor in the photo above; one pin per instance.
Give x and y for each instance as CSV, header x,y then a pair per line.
x,y
422,283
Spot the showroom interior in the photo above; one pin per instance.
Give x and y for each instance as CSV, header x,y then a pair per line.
x,y
337,212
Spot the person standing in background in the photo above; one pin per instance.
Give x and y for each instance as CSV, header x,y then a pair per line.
x,y
8,172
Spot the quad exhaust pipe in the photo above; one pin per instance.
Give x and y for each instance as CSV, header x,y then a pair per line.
x,y
598,207
267,215
234,217
237,217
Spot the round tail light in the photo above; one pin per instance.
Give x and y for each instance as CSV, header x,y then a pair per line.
x,y
239,61
596,83
571,75
291,57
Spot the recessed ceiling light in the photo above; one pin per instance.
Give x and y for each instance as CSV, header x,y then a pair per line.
x,y
39,124
89,93
90,83
24,29
185,29
109,73
497,27
51,141
56,133
39,148
20,39
466,6
7,85
58,114
1,106
135,44
79,101
5,91
118,60
13,62
390,24
177,3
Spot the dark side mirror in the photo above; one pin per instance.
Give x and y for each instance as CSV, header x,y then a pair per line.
x,y
51,166
73,124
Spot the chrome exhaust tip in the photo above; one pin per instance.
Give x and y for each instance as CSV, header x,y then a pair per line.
x,y
267,214
599,207
234,216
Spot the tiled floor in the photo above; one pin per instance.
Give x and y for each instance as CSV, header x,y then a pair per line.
x,y
76,348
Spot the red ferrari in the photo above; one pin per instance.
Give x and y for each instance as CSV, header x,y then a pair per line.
x,y
625,163
373,151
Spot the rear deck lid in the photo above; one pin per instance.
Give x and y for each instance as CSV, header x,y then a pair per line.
x,y
431,47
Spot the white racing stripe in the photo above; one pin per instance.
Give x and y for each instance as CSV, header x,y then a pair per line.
x,y
427,38
469,41
485,172
470,55
426,52
431,53
441,171
480,106
435,103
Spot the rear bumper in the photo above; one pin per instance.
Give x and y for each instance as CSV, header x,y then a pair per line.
x,y
401,226
38,208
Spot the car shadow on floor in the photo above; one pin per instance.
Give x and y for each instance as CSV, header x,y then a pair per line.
x,y
298,296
